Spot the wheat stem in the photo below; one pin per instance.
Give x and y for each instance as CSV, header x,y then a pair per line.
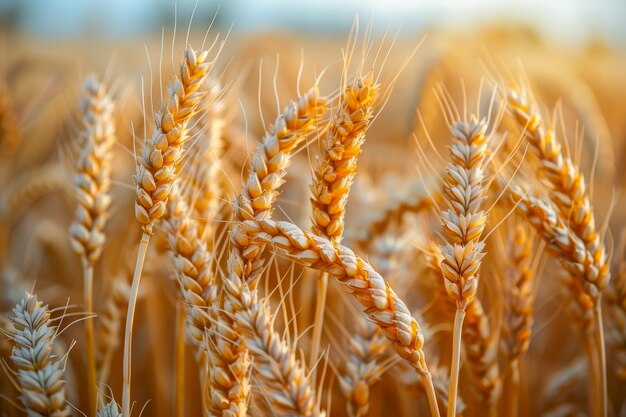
x,y
456,361
90,352
130,316
601,386
511,390
318,324
179,362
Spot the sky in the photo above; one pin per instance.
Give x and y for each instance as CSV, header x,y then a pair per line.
x,y
568,21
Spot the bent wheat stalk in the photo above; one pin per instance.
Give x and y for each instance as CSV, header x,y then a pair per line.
x,y
569,194
381,303
579,262
157,169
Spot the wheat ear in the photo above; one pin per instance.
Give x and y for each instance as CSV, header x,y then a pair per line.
x,y
205,179
157,169
414,201
92,182
193,266
569,194
463,225
255,201
39,372
579,263
282,374
110,409
381,303
518,311
363,367
367,346
27,188
334,176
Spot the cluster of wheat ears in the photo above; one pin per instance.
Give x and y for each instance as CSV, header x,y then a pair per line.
x,y
444,274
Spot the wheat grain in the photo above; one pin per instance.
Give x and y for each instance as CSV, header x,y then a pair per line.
x,y
568,191
283,376
192,264
334,176
39,372
92,179
336,171
159,162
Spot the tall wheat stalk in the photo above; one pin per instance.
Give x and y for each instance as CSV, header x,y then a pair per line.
x,y
463,225
157,169
92,183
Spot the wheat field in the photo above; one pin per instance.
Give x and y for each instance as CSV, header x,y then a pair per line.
x,y
204,223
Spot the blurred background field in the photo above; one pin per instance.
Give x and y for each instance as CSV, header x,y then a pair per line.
x,y
572,52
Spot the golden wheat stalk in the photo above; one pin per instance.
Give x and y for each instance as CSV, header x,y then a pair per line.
x,y
463,225
192,264
39,372
92,181
158,167
382,304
